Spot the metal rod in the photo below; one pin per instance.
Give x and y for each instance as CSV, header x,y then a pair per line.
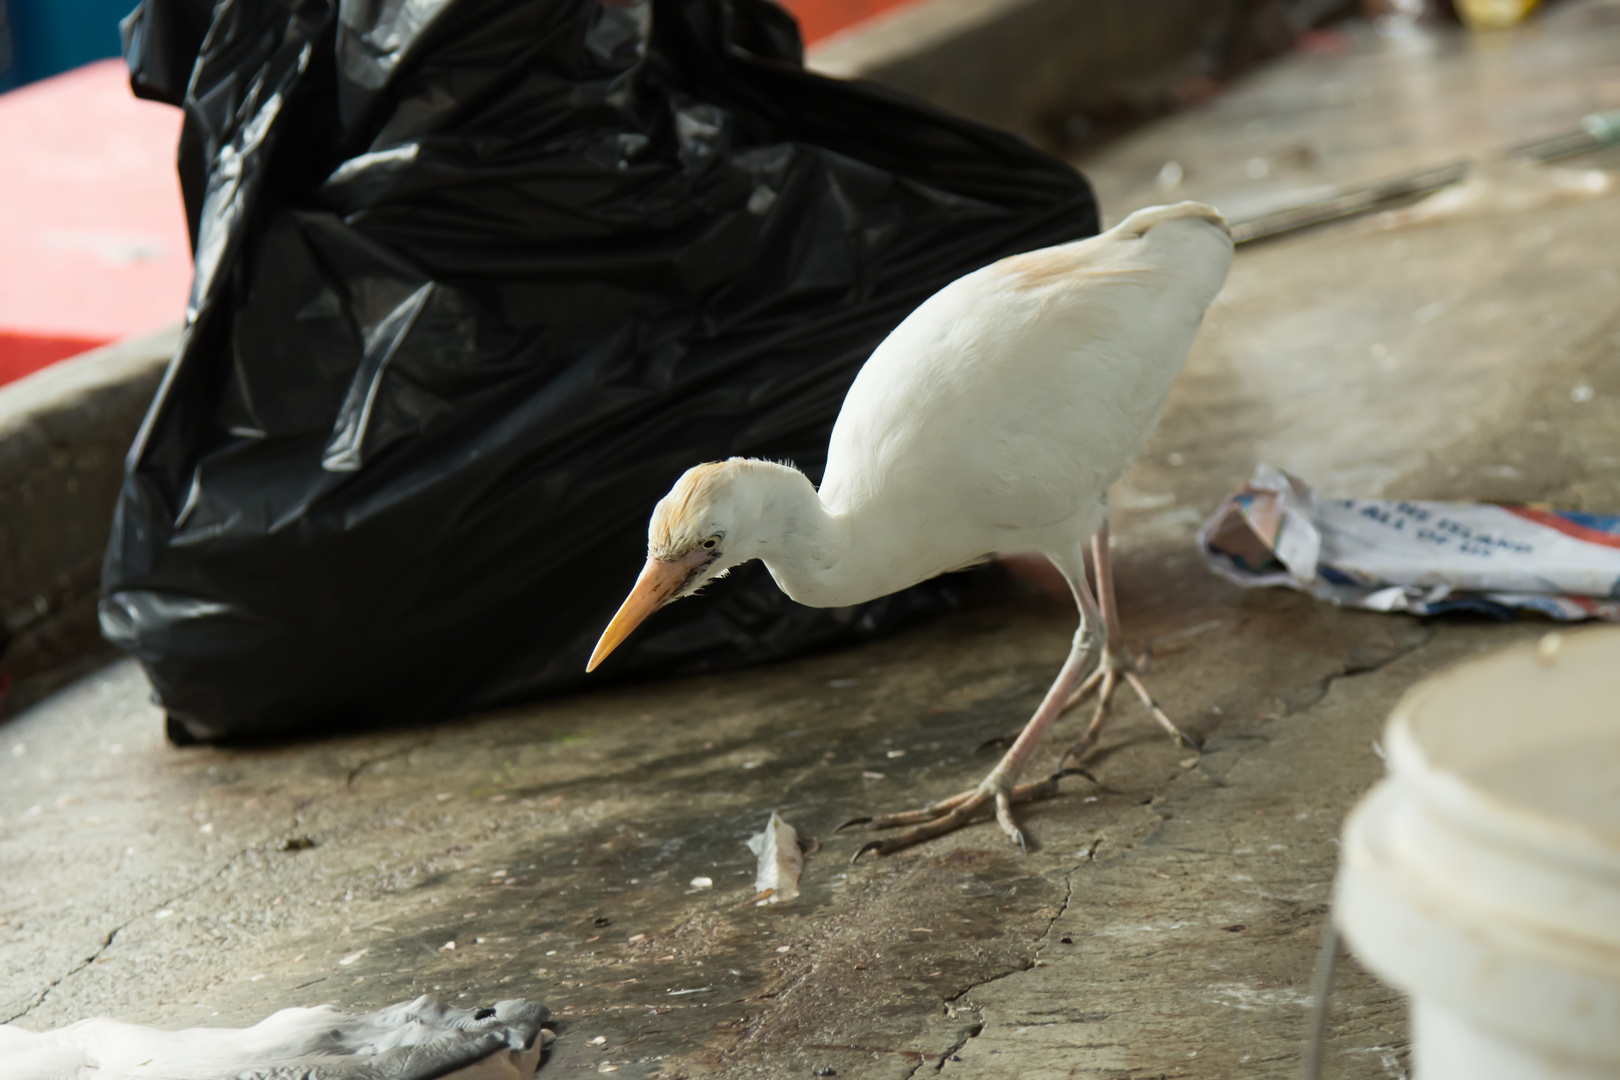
x,y
1327,962
1349,201
1596,131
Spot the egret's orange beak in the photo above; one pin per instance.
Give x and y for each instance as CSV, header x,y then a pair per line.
x,y
660,582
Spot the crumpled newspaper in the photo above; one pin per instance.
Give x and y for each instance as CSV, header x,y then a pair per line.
x,y
416,1040
1419,557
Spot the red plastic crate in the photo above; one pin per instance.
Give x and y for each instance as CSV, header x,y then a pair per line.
x,y
821,18
93,244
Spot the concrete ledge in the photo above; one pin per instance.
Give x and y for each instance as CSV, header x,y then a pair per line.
x,y
64,432
1028,65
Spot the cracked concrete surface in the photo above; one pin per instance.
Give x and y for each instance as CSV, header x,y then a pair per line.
x,y
1166,919
1210,912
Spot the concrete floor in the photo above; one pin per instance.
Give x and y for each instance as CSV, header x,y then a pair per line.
x,y
1164,923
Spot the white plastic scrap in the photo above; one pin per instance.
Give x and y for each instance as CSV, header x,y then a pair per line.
x,y
1418,557
415,1040
780,861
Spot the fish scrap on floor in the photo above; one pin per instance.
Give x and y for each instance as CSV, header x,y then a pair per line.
x,y
414,1040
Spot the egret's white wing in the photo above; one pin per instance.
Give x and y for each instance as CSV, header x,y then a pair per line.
x,y
1010,400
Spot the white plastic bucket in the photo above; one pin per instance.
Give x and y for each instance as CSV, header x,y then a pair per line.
x,y
1482,877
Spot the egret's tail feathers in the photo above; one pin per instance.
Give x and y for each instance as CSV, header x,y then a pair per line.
x,y
1144,219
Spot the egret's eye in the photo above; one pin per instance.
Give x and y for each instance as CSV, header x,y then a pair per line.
x,y
711,542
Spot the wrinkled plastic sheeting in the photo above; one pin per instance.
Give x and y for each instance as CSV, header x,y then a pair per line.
x,y
476,280
414,1040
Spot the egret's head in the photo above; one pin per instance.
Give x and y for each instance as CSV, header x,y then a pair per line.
x,y
686,546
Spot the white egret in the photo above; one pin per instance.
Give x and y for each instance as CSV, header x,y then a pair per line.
x,y
991,421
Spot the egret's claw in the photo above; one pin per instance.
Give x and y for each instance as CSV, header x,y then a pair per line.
x,y
870,845
854,821
1073,770
997,742
1004,818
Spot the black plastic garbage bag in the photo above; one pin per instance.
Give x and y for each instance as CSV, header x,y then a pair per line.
x,y
475,281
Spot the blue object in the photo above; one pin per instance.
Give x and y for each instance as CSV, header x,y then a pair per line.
x,y
43,37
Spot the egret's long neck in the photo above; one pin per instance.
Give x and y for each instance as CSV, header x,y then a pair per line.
x,y
809,551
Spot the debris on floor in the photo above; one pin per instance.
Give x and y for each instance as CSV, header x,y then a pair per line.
x,y
781,861
414,1040
1497,188
1420,557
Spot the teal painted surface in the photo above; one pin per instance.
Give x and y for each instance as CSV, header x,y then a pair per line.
x,y
44,37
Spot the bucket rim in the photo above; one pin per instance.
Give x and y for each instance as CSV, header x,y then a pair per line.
x,y
1475,807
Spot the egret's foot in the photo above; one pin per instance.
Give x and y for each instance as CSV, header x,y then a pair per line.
x,y
948,815
1116,665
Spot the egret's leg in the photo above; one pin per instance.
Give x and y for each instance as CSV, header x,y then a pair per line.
x,y
1116,665
1000,789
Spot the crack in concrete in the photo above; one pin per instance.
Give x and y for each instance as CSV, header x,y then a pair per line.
x,y
354,773
39,998
1302,699
106,943
1354,668
1322,687
1068,897
1042,942
951,1052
